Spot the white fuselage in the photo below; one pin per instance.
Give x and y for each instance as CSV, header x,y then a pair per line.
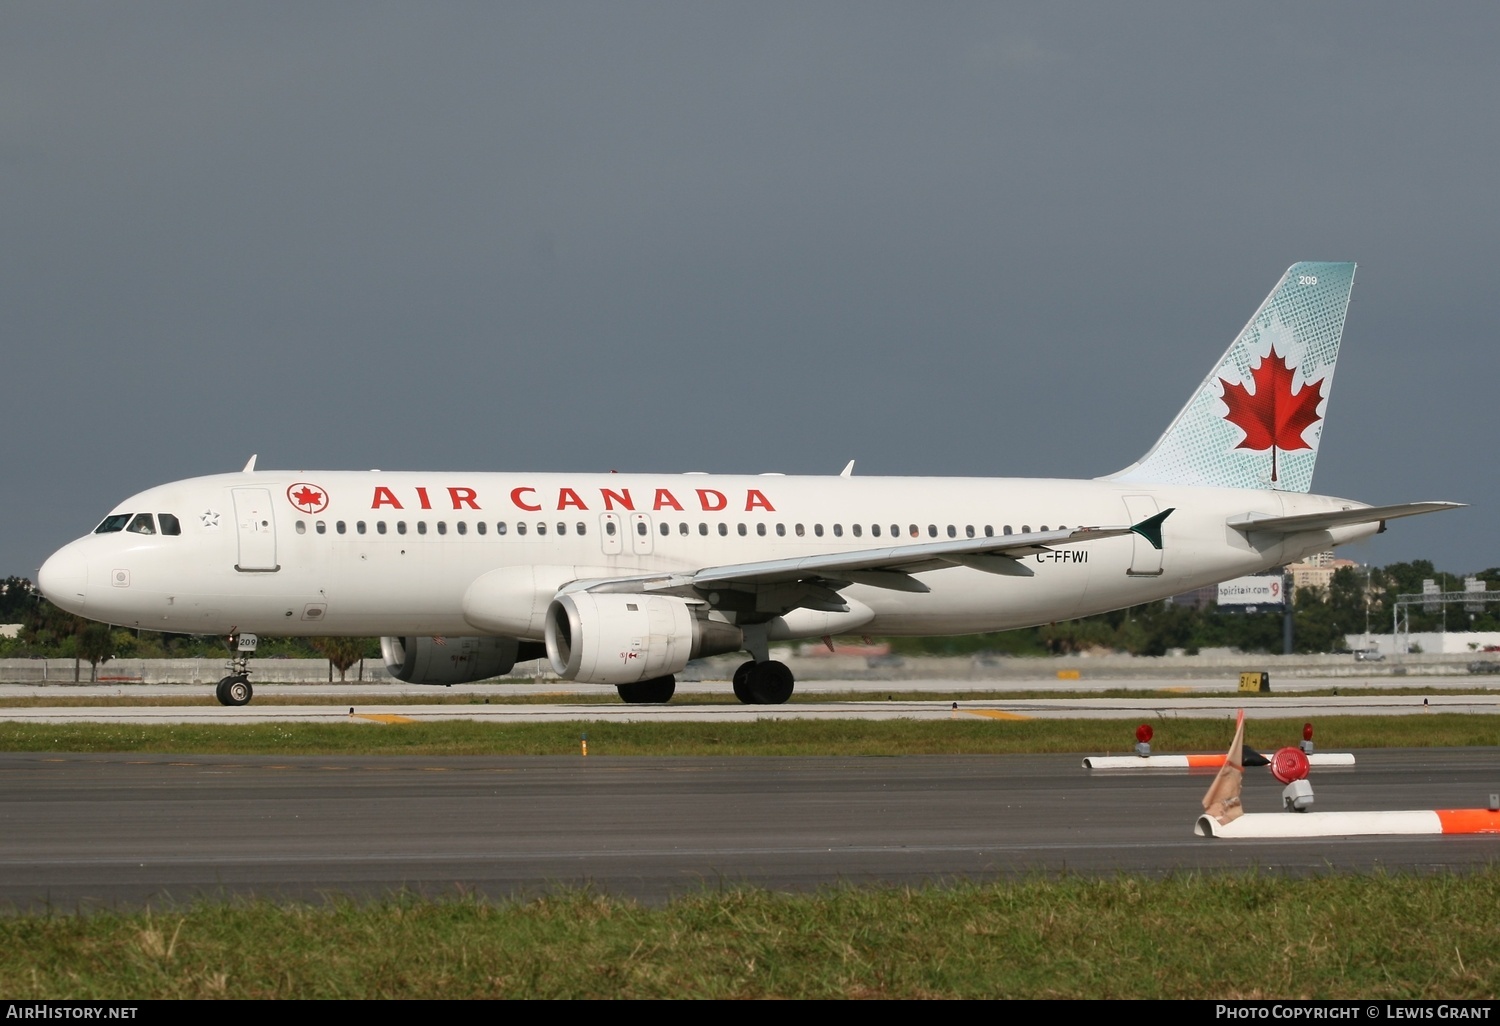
x,y
372,553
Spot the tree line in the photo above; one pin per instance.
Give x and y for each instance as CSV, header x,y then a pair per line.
x,y
1354,598
48,632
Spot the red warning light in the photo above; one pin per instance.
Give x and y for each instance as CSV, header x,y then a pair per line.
x,y
1307,731
1289,764
1143,733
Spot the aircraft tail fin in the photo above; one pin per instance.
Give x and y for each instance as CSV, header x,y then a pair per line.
x,y
1257,419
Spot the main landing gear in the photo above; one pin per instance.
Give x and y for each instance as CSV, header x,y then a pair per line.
x,y
763,683
655,691
235,689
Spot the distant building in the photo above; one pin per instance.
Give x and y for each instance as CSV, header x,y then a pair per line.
x,y
1316,572
10,630
1429,642
1198,598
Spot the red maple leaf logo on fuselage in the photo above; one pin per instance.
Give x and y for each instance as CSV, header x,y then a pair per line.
x,y
1273,418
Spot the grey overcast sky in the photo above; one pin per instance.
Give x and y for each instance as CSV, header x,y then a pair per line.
x,y
941,238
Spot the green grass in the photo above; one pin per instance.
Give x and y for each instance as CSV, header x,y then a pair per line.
x,y
964,735
1223,936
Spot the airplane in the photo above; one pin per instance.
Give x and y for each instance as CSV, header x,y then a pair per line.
x,y
622,579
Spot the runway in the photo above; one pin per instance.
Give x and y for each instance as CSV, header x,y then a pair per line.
x,y
91,831
733,712
1199,699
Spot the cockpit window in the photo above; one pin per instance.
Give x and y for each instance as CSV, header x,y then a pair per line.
x,y
142,524
112,523
169,523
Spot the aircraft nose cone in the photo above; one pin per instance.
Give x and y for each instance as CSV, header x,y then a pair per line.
x,y
63,579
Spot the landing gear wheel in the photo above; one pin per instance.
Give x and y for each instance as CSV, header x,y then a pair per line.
x,y
235,690
742,682
770,683
656,691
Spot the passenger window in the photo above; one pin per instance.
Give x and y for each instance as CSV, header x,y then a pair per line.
x,y
111,524
380,527
1007,529
915,531
969,530
582,527
520,527
169,523
838,530
301,527
562,528
896,531
702,528
421,527
781,530
640,528
142,524
952,531
1042,528
682,529
322,526
359,527
442,527
541,528
481,527
666,528
723,530
932,530
609,528
341,527
1025,528
857,529
741,529
989,530
875,530
760,529
801,531
818,530
400,527
463,528
500,527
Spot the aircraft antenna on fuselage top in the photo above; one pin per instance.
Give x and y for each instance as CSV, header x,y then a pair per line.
x,y
251,465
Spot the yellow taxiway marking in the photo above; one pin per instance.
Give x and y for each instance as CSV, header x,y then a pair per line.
x,y
384,718
996,714
1180,691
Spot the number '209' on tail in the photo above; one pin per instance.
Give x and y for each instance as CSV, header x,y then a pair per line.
x,y
1257,419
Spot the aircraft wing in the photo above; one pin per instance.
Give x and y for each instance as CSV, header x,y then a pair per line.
x,y
1338,518
888,567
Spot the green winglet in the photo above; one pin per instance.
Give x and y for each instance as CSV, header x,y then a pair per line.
x,y
1150,528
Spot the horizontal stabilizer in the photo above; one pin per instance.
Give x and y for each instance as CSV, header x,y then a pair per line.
x,y
1336,518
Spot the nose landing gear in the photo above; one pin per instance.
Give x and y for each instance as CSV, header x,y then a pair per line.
x,y
235,689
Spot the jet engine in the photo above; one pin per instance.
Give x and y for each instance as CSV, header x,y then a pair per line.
x,y
608,638
449,661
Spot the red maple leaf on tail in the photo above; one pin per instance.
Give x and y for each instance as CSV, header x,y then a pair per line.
x,y
1273,418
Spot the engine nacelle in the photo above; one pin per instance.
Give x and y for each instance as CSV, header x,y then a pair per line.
x,y
450,661
621,639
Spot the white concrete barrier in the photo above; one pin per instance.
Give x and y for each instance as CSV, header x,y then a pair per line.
x,y
1351,824
1143,762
